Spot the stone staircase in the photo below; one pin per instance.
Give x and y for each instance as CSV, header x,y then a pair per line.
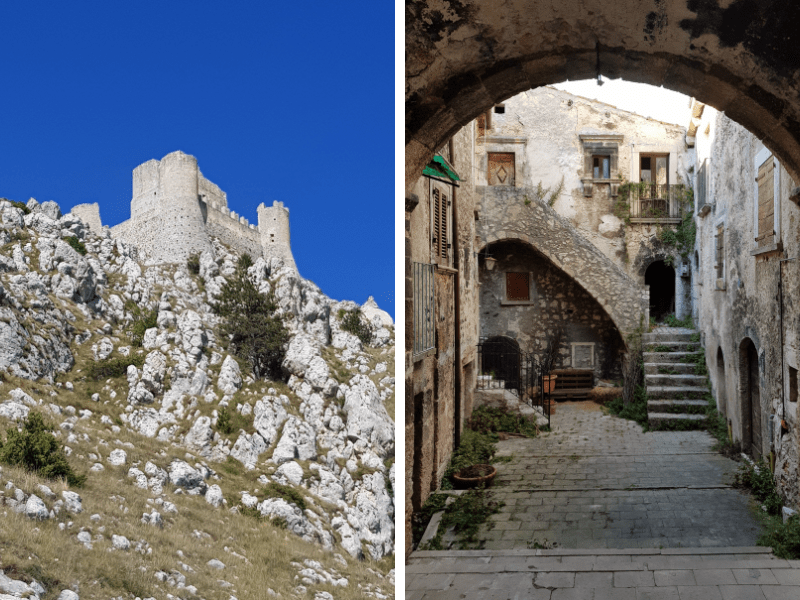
x,y
675,393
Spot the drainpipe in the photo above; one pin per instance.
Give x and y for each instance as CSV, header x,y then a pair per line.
x,y
457,309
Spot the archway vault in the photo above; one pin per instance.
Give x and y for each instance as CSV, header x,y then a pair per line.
x,y
739,56
552,236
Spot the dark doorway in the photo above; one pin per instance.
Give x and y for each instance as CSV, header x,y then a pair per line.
x,y
661,279
751,401
500,356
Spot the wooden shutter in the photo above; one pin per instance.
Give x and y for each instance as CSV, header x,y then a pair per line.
x,y
436,209
518,286
766,203
443,231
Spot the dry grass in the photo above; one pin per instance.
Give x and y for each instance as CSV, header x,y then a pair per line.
x,y
601,395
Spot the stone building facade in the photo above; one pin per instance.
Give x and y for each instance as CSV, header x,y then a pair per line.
x,y
175,211
441,307
746,289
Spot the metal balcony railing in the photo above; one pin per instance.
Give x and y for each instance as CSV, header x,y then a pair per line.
x,y
656,201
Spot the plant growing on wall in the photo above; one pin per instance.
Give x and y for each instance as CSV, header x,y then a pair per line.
x,y
681,237
546,194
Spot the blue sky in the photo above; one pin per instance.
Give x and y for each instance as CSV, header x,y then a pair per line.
x,y
289,101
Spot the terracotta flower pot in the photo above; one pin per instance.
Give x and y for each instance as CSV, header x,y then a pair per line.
x,y
474,476
549,383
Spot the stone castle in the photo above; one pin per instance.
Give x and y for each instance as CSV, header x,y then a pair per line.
x,y
175,212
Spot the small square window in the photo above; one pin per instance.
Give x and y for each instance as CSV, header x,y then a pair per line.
x,y
499,109
518,287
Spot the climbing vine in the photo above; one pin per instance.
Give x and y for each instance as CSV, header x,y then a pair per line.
x,y
681,237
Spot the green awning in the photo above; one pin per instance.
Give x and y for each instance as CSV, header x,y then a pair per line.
x,y
439,169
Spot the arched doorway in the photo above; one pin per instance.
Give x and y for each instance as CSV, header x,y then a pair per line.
x,y
499,356
661,279
751,398
722,395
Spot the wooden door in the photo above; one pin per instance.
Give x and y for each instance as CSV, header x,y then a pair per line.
x,y
754,396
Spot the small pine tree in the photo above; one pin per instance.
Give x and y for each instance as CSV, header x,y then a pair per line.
x,y
252,329
353,322
37,450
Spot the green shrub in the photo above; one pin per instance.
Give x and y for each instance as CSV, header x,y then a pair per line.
x,y
475,449
421,518
353,322
758,479
142,321
113,367
77,245
251,328
285,492
490,419
224,424
245,262
783,538
37,450
672,321
636,410
21,205
193,263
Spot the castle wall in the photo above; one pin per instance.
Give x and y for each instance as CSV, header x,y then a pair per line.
x,y
273,226
229,228
210,193
89,214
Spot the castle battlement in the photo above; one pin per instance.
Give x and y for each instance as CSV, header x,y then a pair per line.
x,y
175,211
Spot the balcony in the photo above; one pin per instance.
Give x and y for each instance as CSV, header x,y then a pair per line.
x,y
656,203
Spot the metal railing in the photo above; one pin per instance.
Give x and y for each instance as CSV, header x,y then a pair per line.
x,y
424,307
655,201
501,365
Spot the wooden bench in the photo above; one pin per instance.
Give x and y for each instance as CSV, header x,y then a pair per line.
x,y
573,384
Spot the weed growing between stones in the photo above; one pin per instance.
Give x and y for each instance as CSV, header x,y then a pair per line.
x,y
465,516
285,492
76,244
420,519
672,321
193,263
758,479
636,410
113,367
142,321
783,538
37,450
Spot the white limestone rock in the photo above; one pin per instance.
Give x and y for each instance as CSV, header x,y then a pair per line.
x,y
248,448
289,472
120,542
200,436
230,377
35,508
214,495
72,502
181,474
371,311
118,457
297,442
269,414
367,418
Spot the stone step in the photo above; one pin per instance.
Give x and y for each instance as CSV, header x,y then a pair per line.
x,y
683,392
659,337
672,347
669,420
666,357
656,368
679,379
677,406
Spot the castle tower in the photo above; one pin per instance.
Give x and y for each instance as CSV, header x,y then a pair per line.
x,y
273,228
167,219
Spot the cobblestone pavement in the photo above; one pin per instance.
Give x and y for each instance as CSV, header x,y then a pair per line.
x,y
598,481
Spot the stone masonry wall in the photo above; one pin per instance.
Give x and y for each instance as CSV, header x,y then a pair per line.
x,y
90,214
745,303
556,301
505,215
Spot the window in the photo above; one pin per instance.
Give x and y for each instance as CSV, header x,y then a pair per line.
x,y
424,334
501,168
601,167
792,384
654,169
518,287
767,208
720,254
500,109
441,203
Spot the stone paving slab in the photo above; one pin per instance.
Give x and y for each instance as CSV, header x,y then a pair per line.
x,y
634,515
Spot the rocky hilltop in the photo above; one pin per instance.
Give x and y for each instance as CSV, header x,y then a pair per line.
x,y
201,480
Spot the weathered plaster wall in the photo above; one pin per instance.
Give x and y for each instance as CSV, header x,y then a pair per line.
x,y
746,301
504,215
557,301
543,126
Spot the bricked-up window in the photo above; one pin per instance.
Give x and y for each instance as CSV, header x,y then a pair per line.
x,y
501,168
441,203
518,287
765,233
720,253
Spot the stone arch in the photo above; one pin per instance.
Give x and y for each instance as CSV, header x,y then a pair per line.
x,y
463,57
750,397
623,306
